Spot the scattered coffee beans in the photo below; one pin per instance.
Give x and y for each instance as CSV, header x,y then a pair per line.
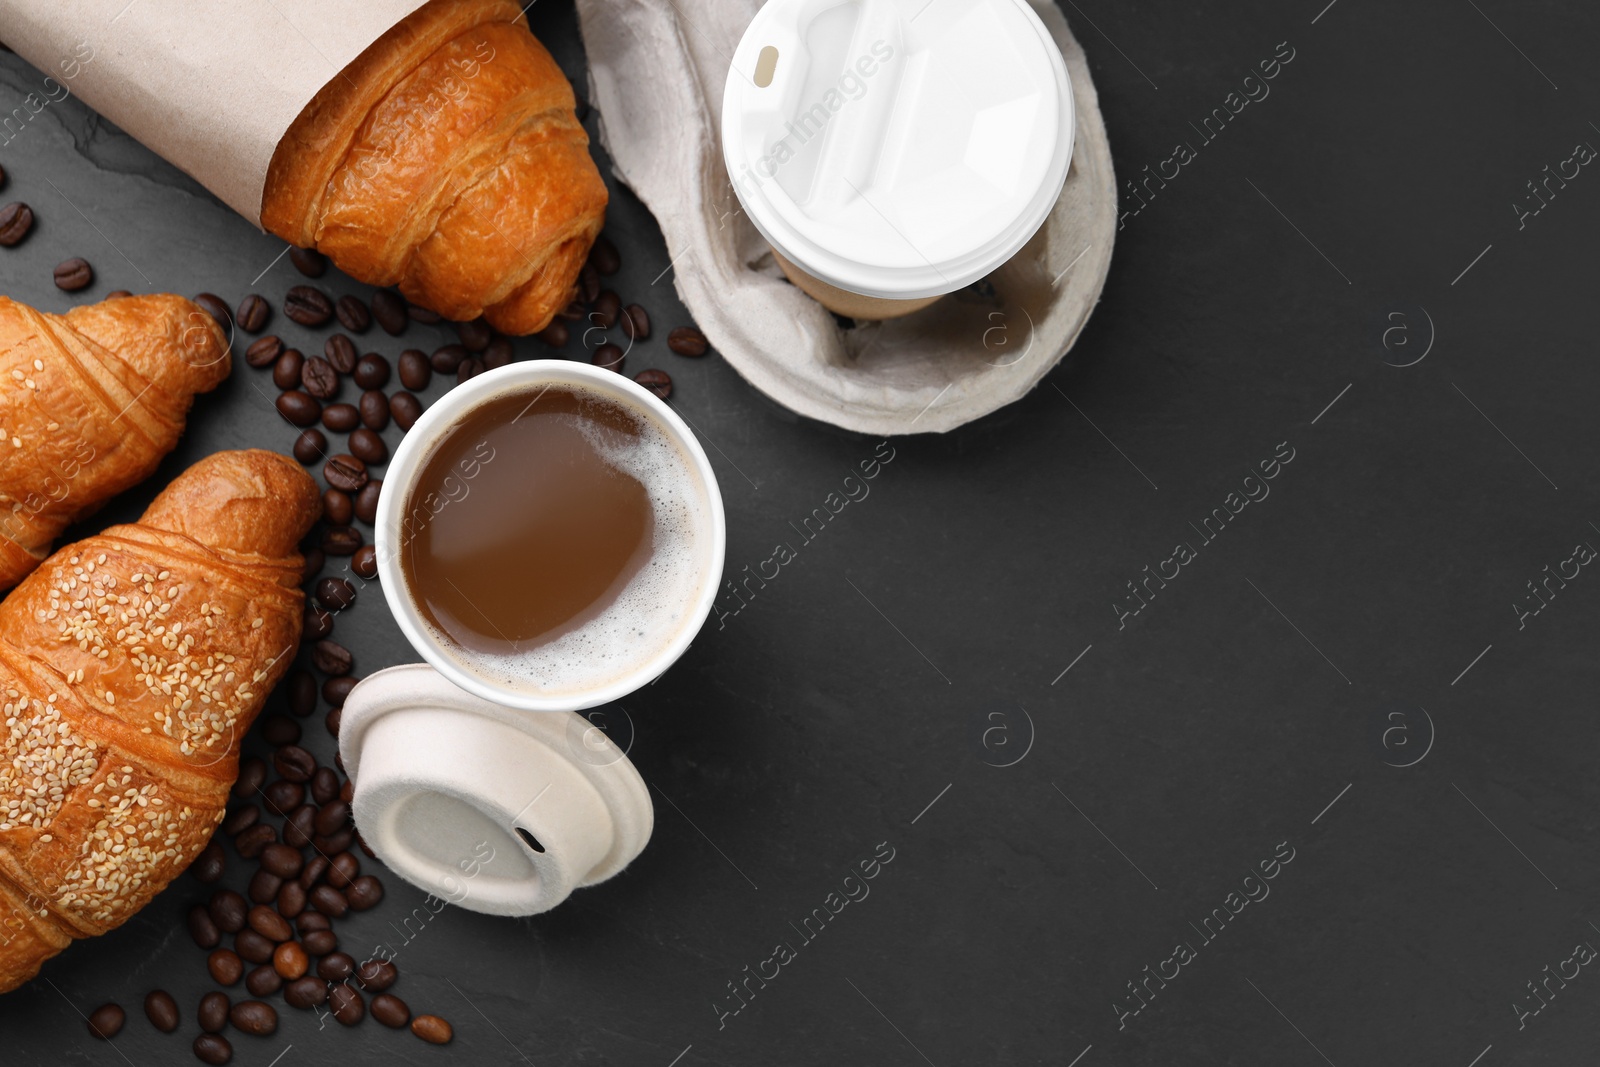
x,y
74,274
302,693
213,1013
262,981
368,447
15,222
202,928
475,335
377,975
225,966
308,306
371,371
636,323
105,1022
390,311
308,261
264,351
341,541
406,408
353,314
447,360
346,473
337,507
294,763
213,1049
365,892
432,1029
688,341
374,409
254,1017
365,562
346,1004
286,371
415,369
228,910
299,408
161,1010
253,947
609,357
341,352
319,378
306,992
214,306
331,658
604,256
390,1010
367,503
658,382
336,966
210,865
252,316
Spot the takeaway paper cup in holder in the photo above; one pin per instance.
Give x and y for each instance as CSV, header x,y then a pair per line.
x,y
893,151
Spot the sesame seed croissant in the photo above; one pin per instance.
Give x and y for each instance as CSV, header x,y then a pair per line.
x,y
90,402
447,160
131,664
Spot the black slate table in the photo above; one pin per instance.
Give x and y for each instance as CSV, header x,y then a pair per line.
x,y
1155,759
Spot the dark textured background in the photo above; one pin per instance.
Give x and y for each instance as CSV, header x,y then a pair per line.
x,y
856,690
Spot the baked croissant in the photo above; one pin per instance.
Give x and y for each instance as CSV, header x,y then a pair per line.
x,y
130,666
90,402
446,160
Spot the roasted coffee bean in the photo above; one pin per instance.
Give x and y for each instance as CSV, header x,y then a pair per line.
x,y
377,975
225,966
311,447
330,902
368,447
15,222
341,418
294,763
341,541
263,981
317,624
297,831
279,730
214,1049
609,357
309,261
213,1013
556,335
475,335
319,378
250,843
239,820
252,772
470,368
336,966
447,359
341,352
286,370
252,316
202,928
688,341
334,691
604,256
353,314
365,892
324,785
607,309
365,562
312,921
74,274
263,887
162,1010
406,408
588,284
283,861
210,865
415,369
253,946
105,1022
264,351
426,316
346,1004
343,868
371,371
635,323
302,693
499,353
290,959
283,797
345,472
337,507
334,842
228,910
269,924
390,1010
432,1029
331,658
291,900
319,942
299,408
335,594
367,505
308,306
374,410
390,311
253,1017
314,559
658,382
306,992
213,305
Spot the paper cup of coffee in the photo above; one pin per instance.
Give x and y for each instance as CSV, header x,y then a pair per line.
x,y
893,151
550,536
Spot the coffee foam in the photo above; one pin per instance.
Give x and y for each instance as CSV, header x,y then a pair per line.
x,y
653,607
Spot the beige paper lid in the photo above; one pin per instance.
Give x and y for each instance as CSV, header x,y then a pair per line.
x,y
210,87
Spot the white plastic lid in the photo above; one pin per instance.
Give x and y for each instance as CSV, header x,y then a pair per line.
x,y
898,148
494,809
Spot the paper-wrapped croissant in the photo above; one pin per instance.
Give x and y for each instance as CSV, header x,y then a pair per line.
x,y
447,160
131,664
